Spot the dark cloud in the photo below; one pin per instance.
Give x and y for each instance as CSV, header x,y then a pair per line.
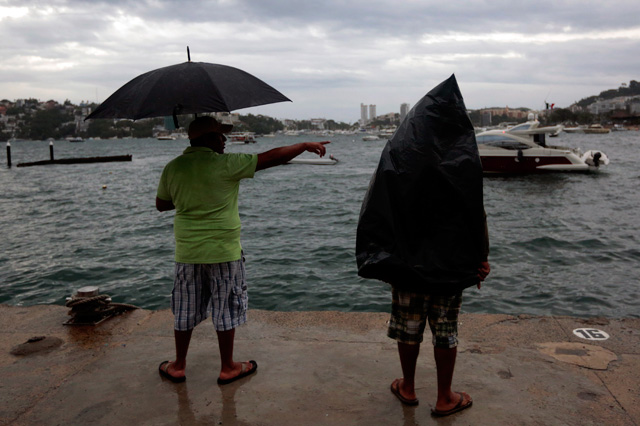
x,y
330,53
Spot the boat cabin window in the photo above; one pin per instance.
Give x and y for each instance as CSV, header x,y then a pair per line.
x,y
523,126
500,141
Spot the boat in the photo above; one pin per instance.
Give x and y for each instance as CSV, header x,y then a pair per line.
x,y
523,149
596,129
316,161
387,133
241,137
166,138
370,138
75,139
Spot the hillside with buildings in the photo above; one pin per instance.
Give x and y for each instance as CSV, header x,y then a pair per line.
x,y
36,120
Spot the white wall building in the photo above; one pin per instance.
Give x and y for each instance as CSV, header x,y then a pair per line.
x,y
364,118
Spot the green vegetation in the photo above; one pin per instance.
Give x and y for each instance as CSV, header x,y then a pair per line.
x,y
259,124
35,120
564,115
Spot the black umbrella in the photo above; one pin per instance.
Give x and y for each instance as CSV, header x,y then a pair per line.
x,y
187,88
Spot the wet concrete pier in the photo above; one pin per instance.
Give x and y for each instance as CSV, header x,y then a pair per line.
x,y
315,368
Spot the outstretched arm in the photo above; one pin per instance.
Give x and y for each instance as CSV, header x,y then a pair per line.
x,y
278,156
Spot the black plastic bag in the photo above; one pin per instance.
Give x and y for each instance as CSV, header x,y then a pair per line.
x,y
422,225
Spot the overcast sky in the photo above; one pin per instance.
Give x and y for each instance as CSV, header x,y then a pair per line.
x,y
327,56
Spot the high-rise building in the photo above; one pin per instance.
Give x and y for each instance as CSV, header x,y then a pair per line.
x,y
372,112
364,118
404,110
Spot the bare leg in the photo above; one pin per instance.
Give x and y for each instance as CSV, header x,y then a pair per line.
x,y
445,364
408,360
177,368
228,367
225,344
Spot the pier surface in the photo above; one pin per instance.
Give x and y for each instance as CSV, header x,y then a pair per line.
x,y
315,368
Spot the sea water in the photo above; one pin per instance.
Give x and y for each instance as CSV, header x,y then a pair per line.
x,y
561,243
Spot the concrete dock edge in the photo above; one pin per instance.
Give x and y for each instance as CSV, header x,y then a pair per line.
x,y
315,368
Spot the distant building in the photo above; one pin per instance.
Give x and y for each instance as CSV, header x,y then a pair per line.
x,y
364,117
485,119
404,110
608,105
318,123
372,112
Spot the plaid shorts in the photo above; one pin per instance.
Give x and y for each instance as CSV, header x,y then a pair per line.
x,y
410,311
200,288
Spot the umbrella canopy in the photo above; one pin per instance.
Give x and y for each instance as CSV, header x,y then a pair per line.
x,y
187,88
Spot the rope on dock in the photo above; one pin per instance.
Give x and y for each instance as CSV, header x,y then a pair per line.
x,y
93,310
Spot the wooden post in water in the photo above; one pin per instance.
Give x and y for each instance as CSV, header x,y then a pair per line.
x,y
8,154
51,150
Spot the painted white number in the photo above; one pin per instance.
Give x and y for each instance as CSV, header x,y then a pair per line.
x,y
591,334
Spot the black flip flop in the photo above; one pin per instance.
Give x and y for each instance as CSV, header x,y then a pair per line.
x,y
163,373
396,391
253,369
457,408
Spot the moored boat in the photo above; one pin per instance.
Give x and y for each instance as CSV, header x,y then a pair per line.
x,y
316,161
596,129
241,137
523,149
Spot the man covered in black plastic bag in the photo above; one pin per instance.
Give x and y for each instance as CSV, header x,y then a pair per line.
x,y
423,230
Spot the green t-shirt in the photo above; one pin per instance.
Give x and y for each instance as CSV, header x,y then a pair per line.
x,y
203,185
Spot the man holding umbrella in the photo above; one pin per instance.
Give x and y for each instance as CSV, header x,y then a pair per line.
x,y
202,186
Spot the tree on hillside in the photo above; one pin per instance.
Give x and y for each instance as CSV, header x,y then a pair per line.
x,y
46,124
259,124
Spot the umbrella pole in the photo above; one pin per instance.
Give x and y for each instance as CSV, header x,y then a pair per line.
x,y
188,54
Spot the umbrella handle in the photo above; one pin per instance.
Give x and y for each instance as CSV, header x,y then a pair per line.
x,y
188,54
176,110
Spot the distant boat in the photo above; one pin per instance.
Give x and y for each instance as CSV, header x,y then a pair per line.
x,y
75,139
241,137
172,136
370,138
316,161
596,129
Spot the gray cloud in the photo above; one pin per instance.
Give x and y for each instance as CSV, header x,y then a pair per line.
x,y
327,56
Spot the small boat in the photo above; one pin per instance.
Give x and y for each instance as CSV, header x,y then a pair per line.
x,y
596,129
241,137
316,161
370,138
75,139
523,149
166,138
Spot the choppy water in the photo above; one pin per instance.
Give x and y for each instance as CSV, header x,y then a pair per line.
x,y
560,244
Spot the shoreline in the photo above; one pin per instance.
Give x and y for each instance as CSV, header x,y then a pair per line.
x,y
322,367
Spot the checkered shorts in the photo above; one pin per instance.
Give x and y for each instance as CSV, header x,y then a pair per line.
x,y
410,311
219,288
